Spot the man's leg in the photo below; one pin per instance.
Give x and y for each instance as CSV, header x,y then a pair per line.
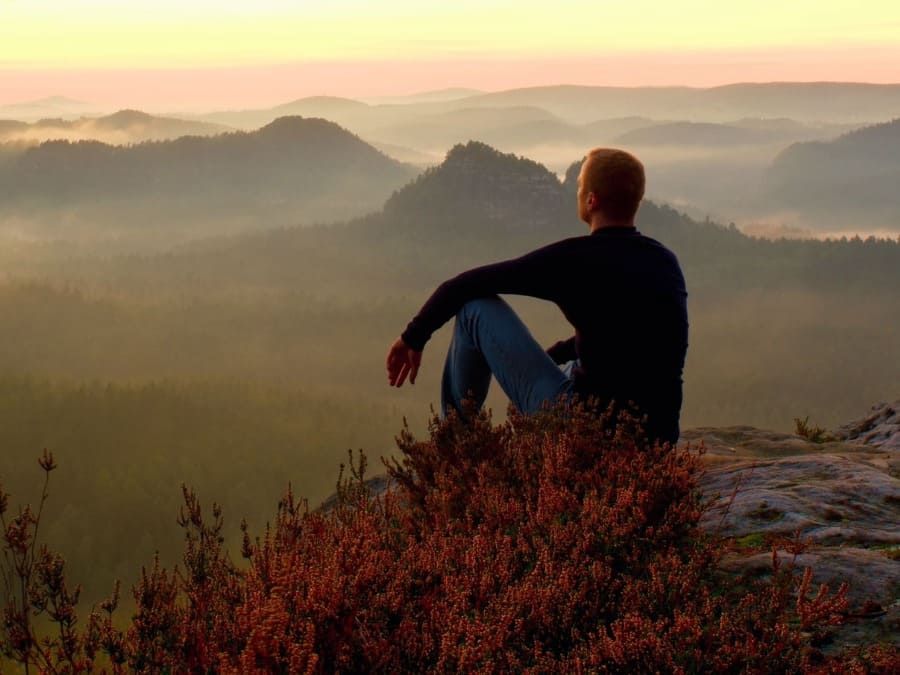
x,y
489,338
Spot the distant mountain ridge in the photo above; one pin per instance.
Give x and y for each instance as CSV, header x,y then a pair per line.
x,y
803,101
294,170
50,106
808,102
836,180
433,96
120,128
323,106
709,134
551,124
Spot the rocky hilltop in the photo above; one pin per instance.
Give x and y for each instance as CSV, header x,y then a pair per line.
x,y
477,186
841,494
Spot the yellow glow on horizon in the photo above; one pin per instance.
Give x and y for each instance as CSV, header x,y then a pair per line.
x,y
167,33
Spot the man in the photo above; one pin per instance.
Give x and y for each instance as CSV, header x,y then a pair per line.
x,y
624,294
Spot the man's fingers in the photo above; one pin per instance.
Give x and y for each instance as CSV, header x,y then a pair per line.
x,y
393,368
391,362
394,363
414,359
404,371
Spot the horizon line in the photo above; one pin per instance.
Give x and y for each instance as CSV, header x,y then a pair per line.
x,y
476,91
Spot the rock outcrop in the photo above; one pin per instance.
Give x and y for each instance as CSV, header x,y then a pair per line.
x,y
880,428
842,496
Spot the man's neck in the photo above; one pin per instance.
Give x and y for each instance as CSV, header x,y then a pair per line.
x,y
600,223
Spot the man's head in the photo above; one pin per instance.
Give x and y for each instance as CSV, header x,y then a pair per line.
x,y
610,187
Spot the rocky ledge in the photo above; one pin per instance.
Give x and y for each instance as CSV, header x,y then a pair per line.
x,y
842,495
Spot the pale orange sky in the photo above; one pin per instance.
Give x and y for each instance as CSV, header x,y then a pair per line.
x,y
169,54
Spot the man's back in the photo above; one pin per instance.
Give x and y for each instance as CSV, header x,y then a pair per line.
x,y
627,300
622,292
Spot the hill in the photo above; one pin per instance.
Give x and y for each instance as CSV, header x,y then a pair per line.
x,y
334,108
608,129
515,127
433,96
120,128
294,170
476,183
706,134
803,101
49,107
852,179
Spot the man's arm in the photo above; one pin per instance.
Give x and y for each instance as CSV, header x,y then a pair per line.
x,y
563,351
536,274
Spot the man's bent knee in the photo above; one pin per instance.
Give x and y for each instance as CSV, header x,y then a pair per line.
x,y
480,305
486,311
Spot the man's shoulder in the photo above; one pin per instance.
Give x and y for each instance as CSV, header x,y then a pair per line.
x,y
634,240
631,238
657,245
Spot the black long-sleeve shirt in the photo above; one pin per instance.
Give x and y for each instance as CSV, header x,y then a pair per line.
x,y
624,294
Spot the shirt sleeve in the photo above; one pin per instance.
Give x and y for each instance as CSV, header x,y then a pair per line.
x,y
536,274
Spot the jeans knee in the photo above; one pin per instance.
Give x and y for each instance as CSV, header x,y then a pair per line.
x,y
479,306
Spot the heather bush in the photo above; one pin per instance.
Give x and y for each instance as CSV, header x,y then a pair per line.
x,y
38,609
560,542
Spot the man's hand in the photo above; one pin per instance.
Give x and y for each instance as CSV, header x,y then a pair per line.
x,y
402,361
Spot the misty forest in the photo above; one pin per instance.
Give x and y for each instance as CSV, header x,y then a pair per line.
x,y
207,299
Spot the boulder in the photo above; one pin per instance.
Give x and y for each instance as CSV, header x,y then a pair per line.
x,y
841,496
879,429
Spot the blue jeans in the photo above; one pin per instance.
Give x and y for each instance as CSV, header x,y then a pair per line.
x,y
489,338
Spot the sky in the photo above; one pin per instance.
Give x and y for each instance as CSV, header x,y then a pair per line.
x,y
204,53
